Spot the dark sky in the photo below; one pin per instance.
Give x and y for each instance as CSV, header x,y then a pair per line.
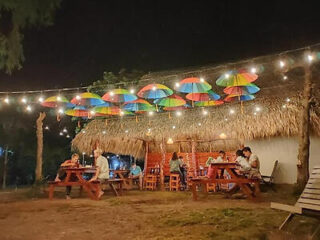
x,y
92,36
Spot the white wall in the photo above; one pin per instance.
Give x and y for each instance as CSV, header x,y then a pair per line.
x,y
286,151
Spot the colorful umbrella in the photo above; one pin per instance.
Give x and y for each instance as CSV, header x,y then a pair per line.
x,y
87,99
155,91
193,85
104,111
78,111
242,90
171,101
177,108
119,95
233,97
208,103
139,105
210,95
57,101
236,78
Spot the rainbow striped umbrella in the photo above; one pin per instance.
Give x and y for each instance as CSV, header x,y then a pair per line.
x,y
78,111
119,95
242,90
241,98
105,111
186,106
193,85
57,101
236,78
87,99
210,95
139,105
155,91
171,101
208,103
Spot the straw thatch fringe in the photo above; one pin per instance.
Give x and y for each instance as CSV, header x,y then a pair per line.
x,y
276,118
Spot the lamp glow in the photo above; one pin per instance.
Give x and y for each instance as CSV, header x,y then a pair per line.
x,y
59,98
104,132
78,97
177,84
40,99
150,113
173,127
61,110
24,100
253,70
227,75
231,111
6,100
205,112
310,58
179,113
285,77
28,108
281,63
170,141
201,79
222,136
132,91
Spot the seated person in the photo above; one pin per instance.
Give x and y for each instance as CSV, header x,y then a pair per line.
x,y
102,168
210,168
61,175
221,158
135,173
184,170
242,161
175,165
254,163
209,161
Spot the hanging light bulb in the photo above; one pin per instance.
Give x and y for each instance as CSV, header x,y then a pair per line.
x,y
92,112
222,136
205,112
227,75
253,70
68,136
173,127
78,97
61,133
281,64
154,88
6,100
59,98
104,132
258,109
231,111
179,113
177,84
310,58
83,131
132,91
285,77
170,141
284,106
150,113
111,93
199,124
226,119
40,99
288,100
46,128
201,79
121,113
24,100
60,110
126,131
64,130
28,108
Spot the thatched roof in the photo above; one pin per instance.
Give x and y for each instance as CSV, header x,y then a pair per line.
x,y
276,118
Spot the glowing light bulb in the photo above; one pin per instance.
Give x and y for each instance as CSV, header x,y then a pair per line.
x,y
111,93
40,99
205,112
92,112
83,131
126,131
61,133
28,108
285,77
170,141
61,110
222,136
310,58
83,153
177,84
47,128
281,63
199,124
6,100
24,100
227,75
253,70
284,106
288,100
201,79
226,119
154,88
68,136
150,113
231,111
104,132
78,97
132,91
254,113
59,98
179,113
64,130
258,109
173,127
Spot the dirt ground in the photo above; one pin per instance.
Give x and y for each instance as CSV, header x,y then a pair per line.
x,y
146,215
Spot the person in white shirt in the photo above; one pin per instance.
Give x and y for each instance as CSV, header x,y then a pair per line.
x,y
243,162
254,163
221,158
102,168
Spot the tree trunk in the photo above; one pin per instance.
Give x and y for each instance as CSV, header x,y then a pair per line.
x,y
5,162
304,134
163,159
40,119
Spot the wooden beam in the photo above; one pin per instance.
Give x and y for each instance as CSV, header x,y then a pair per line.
x,y
162,161
193,157
39,122
146,158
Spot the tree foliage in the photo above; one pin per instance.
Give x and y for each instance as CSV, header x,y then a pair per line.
x,y
15,16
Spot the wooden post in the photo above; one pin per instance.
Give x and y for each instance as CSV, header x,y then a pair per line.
x,y
146,159
163,159
193,157
304,134
40,119
5,163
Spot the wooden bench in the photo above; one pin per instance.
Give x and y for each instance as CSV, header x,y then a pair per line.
x,y
308,204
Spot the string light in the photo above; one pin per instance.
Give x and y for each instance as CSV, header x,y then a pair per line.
x,y
173,127
28,108
177,84
226,119
6,100
111,93
310,58
78,97
284,106
222,136
205,112
24,100
170,141
288,100
61,133
132,91
60,110
150,113
59,98
46,128
255,113
285,77
231,111
65,130
154,88
178,113
83,131
258,109
104,132
202,79
92,112
281,64
40,99
126,131
227,75
199,124
68,136
121,113
253,70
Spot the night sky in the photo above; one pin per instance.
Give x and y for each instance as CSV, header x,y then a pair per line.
x,y
92,36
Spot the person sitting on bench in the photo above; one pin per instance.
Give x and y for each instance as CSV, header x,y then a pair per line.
x,y
244,166
254,163
61,175
102,169
135,173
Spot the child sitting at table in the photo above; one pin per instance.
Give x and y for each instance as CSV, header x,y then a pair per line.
x,y
244,165
61,175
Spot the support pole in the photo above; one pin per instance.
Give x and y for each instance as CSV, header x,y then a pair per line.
x,y
304,132
163,159
40,119
146,159
193,157
5,163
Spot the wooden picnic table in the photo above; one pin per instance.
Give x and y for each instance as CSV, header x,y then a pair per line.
x,y
93,188
121,174
239,181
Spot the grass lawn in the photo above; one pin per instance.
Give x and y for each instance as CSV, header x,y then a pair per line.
x,y
146,215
